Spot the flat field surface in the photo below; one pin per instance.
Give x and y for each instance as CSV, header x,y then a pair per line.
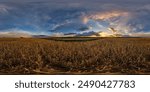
x,y
76,55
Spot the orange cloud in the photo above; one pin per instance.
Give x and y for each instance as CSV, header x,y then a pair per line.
x,y
105,15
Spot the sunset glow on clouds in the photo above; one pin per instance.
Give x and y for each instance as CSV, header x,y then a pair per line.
x,y
55,17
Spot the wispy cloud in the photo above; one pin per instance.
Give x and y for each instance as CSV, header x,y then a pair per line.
x,y
4,9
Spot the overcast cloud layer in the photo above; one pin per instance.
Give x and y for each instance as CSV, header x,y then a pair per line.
x,y
47,17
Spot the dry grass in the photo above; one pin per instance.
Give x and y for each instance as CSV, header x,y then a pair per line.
x,y
102,56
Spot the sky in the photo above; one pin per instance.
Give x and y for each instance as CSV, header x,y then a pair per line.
x,y
60,17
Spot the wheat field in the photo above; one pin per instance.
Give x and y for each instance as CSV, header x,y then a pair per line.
x,y
64,56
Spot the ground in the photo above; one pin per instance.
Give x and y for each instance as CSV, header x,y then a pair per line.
x,y
77,55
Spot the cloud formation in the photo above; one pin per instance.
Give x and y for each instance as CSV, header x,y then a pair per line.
x,y
47,17
15,33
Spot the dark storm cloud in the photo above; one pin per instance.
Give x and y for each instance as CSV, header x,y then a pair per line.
x,y
46,16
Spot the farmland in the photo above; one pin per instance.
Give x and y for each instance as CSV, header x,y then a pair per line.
x,y
75,56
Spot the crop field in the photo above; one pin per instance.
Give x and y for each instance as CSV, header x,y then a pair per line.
x,y
75,56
